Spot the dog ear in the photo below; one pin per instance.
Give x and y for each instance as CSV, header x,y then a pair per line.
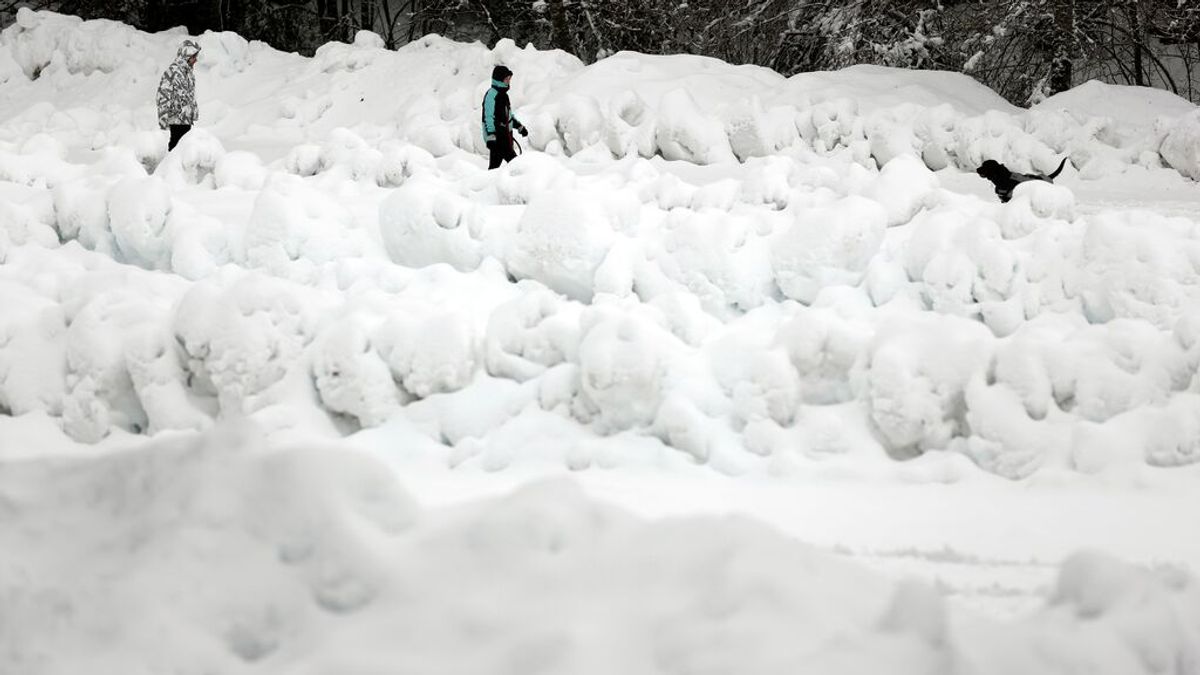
x,y
992,168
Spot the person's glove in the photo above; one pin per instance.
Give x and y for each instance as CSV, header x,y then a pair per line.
x,y
523,131
490,139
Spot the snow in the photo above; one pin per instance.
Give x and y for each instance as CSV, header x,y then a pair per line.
x,y
703,289
827,246
1179,146
310,559
1127,105
856,205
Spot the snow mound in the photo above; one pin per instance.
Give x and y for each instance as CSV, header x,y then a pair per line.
x,y
529,334
1132,106
561,240
1181,147
307,559
138,213
827,246
32,367
293,229
424,223
434,354
878,87
916,379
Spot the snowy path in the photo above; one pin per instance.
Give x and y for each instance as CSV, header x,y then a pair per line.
x,y
994,546
997,587
1189,209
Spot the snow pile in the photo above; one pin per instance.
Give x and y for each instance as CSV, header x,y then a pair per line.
x,y
425,222
758,319
1137,106
561,240
293,229
315,560
1179,148
827,246
814,281
679,107
32,368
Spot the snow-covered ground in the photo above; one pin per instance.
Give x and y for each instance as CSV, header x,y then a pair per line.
x,y
252,391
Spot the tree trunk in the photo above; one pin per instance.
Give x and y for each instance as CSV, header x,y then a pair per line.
x,y
601,48
327,17
560,35
1138,29
1064,41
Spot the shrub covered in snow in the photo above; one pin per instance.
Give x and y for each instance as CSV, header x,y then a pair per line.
x,y
561,240
425,223
239,340
621,369
293,229
351,377
827,246
32,357
430,354
529,334
139,213
1181,147
917,373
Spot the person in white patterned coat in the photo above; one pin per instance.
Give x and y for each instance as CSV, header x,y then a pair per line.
x,y
177,109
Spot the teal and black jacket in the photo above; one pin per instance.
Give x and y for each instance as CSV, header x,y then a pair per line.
x,y
498,118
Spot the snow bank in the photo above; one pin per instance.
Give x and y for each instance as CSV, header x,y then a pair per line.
x,y
1133,106
692,262
1179,148
681,107
311,559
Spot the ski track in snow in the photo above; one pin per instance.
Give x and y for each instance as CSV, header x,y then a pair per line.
x,y
999,587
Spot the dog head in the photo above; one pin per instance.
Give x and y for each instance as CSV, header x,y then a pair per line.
x,y
991,170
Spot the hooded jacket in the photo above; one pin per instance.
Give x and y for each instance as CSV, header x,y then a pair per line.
x,y
177,89
498,118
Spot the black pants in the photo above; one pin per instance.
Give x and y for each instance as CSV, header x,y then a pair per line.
x,y
177,132
500,151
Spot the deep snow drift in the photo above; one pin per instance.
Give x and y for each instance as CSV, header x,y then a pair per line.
x,y
695,271
217,555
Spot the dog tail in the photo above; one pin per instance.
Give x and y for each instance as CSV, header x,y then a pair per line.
x,y
1058,170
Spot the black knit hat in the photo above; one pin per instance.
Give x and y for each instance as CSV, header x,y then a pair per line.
x,y
499,73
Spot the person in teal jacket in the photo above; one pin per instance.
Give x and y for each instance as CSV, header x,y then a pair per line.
x,y
498,119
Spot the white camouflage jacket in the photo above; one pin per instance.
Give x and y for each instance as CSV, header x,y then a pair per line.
x,y
177,89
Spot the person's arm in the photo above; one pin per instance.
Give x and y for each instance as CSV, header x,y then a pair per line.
x,y
189,83
163,99
489,115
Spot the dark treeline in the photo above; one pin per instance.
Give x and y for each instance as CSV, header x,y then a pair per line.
x,y
1024,49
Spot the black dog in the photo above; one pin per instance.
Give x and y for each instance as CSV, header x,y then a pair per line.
x,y
1006,181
